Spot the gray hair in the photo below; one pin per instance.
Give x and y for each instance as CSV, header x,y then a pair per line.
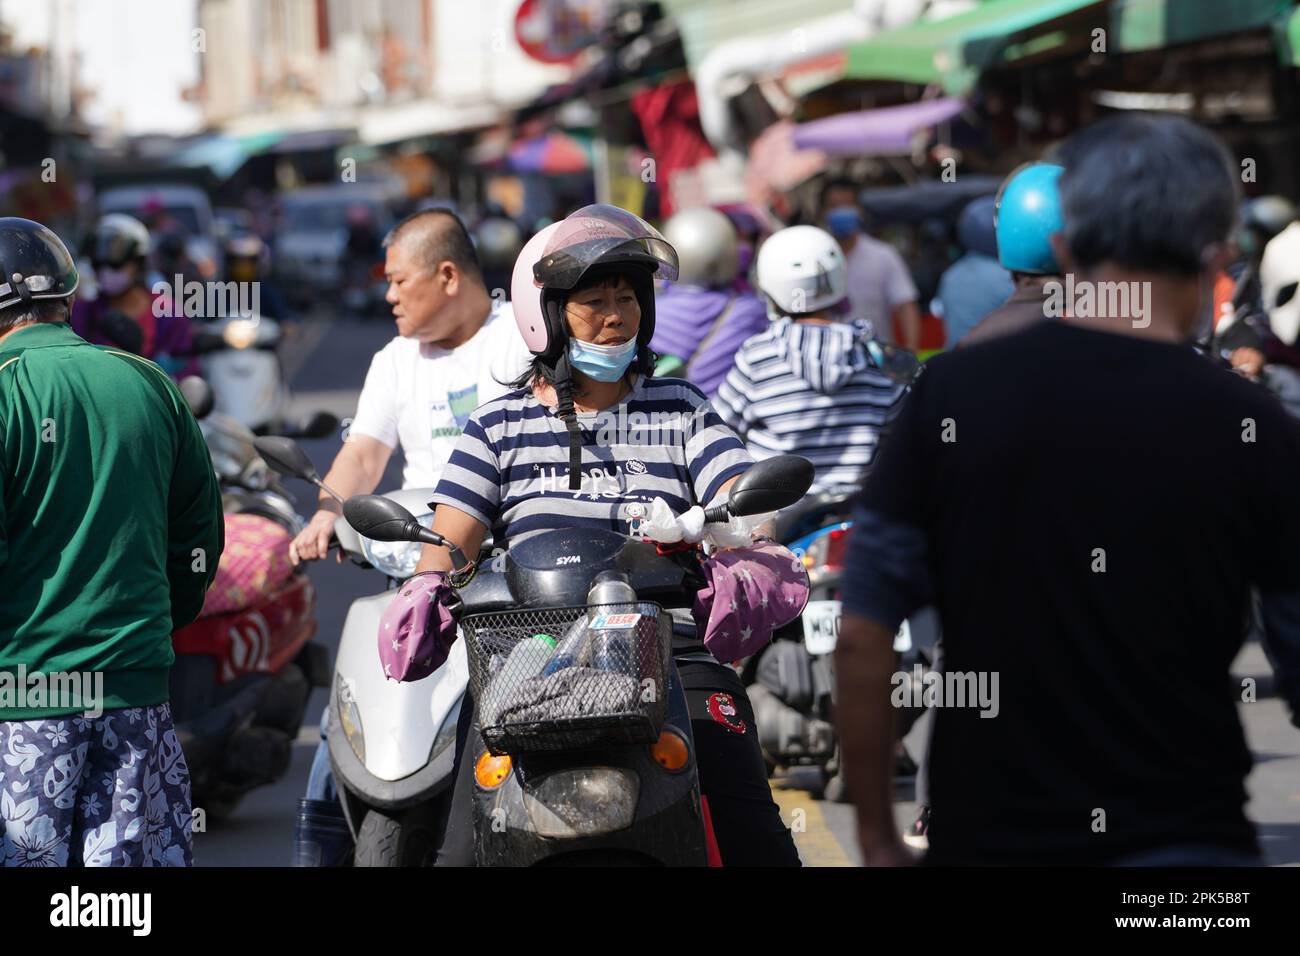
x,y
38,310
1146,192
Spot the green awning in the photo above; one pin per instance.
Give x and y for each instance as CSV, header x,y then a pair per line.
x,y
1155,24
704,25
224,154
1286,35
937,52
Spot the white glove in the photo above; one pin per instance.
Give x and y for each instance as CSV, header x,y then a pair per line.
x,y
664,526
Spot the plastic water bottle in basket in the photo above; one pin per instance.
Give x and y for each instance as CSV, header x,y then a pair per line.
x,y
612,620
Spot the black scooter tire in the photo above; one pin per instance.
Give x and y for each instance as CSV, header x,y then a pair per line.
x,y
401,838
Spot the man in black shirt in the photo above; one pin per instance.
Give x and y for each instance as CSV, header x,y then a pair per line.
x,y
1088,504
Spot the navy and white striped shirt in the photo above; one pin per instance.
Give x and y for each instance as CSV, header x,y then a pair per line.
x,y
510,468
811,390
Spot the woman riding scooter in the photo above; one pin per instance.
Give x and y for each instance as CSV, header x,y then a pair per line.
x,y
126,313
536,459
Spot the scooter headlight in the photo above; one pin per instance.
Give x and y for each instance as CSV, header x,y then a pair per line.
x,y
586,802
239,333
350,717
244,333
396,559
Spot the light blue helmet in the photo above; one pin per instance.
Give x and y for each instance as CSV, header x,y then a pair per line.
x,y
1028,212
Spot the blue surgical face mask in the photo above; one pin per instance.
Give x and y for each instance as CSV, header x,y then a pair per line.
x,y
604,363
843,221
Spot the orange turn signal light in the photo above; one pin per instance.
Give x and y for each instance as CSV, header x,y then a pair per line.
x,y
670,750
491,771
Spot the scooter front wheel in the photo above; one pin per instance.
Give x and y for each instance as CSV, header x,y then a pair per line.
x,y
402,838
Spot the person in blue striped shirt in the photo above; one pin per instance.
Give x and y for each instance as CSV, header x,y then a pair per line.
x,y
590,439
810,385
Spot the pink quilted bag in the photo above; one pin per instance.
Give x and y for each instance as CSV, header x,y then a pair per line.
x,y
254,563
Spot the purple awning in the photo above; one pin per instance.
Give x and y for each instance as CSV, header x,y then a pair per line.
x,y
884,131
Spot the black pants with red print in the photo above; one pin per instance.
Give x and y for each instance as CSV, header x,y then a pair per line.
x,y
746,821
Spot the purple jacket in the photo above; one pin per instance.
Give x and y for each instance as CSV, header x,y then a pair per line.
x,y
168,339
686,323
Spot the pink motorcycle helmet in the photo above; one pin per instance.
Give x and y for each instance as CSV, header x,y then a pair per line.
x,y
526,292
595,239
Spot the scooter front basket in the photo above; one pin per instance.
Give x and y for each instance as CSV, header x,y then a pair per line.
x,y
570,678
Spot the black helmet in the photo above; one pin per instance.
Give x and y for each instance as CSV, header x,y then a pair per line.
x,y
976,230
498,241
34,263
118,239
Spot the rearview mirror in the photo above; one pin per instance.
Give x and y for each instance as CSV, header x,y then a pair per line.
x,y
198,396
284,455
770,485
320,425
381,519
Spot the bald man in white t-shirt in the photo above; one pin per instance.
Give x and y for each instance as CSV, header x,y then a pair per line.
x,y
456,348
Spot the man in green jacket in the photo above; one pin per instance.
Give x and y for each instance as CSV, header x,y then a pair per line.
x,y
110,533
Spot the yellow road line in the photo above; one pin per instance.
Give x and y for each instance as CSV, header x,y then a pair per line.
x,y
803,815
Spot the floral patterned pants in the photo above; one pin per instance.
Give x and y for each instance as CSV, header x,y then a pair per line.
x,y
107,791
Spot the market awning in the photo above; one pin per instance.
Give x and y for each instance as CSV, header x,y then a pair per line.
x,y
953,50
917,202
553,153
224,154
1155,24
1286,34
393,124
775,165
888,131
704,25
314,140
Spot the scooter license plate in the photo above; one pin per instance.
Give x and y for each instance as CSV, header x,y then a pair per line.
x,y
821,628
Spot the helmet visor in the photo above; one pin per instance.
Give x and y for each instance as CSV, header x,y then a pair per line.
x,y
607,236
114,248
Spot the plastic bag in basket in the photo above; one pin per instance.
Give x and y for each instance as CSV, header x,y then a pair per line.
x,y
571,692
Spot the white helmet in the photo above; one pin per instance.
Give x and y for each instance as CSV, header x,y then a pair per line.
x,y
1279,271
801,270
